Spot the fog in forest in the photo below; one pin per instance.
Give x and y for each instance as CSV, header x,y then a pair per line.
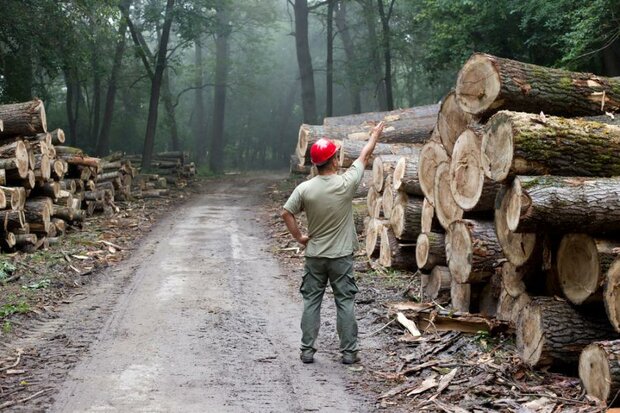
x,y
230,81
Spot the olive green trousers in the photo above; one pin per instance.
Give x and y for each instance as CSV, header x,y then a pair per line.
x,y
339,272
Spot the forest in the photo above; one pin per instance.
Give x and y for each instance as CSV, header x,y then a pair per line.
x,y
230,81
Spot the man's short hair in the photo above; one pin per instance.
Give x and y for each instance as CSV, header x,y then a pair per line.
x,y
324,166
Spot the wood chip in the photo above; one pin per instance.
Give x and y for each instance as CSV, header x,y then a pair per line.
x,y
408,324
427,384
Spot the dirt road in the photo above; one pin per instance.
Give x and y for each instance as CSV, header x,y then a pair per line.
x,y
208,322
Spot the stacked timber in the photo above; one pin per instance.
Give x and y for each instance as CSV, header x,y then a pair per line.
x,y
44,186
174,166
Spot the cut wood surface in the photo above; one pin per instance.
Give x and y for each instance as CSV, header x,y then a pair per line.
x,y
406,177
406,218
350,150
472,250
612,294
487,84
374,228
553,332
431,156
429,220
382,167
430,250
436,281
466,174
564,204
517,247
426,111
526,144
15,156
583,262
599,370
27,118
446,208
451,121
460,296
388,197
394,254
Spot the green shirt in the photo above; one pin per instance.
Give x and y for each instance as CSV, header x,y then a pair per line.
x,y
327,200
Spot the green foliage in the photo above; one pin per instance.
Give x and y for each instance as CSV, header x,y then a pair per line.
x,y
44,283
6,269
14,308
7,327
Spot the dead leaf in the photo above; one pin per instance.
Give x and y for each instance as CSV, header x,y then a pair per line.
x,y
427,384
445,380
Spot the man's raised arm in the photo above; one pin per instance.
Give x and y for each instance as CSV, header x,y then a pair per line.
x,y
370,146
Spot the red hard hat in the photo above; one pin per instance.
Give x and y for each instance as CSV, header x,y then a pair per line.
x,y
322,150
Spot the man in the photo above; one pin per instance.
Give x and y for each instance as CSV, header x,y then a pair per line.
x,y
330,242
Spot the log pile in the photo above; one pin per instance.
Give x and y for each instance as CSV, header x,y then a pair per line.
x,y
174,167
44,185
511,206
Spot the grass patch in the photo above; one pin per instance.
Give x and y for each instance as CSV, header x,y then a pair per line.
x,y
14,308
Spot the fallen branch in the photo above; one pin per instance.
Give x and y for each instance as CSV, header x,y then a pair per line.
x,y
14,402
19,356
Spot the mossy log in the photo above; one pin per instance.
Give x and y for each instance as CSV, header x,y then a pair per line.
x,y
451,121
405,177
430,250
526,144
488,83
552,332
27,118
395,254
563,204
431,156
472,251
599,370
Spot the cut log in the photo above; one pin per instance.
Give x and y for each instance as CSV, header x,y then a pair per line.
x,y
488,300
583,263
9,240
298,166
599,370
563,204
437,280
2,177
405,177
417,112
23,240
26,118
406,218
430,250
460,296
38,211
373,232
429,222
526,144
351,149
3,203
394,254
553,332
371,199
377,208
487,84
42,169
446,209
58,169
58,136
431,156
15,156
517,247
388,198
472,250
612,294
382,167
49,189
69,150
12,220
451,121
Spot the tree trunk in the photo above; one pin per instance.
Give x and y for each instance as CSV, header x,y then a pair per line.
x,y
103,143
350,150
169,106
487,84
199,119
222,51
517,247
472,250
451,121
374,49
349,50
406,218
387,50
430,250
304,61
599,370
431,155
524,144
583,263
405,178
553,332
160,65
329,66
438,280
394,254
26,118
446,209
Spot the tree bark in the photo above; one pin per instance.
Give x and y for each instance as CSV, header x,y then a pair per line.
x,y
599,370
431,155
472,250
553,332
405,178
387,50
487,84
329,66
394,254
430,250
374,49
103,142
525,144
349,50
406,218
199,121
460,296
304,61
160,65
26,118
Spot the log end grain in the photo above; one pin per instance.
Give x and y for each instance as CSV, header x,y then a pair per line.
x,y
612,294
459,251
385,250
422,248
446,208
594,372
431,155
377,174
478,84
578,267
373,228
497,147
517,247
451,121
466,175
399,173
428,215
530,336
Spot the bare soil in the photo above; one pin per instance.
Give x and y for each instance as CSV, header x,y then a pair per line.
x,y
200,312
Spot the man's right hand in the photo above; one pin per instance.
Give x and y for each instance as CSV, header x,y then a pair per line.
x,y
303,240
377,130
